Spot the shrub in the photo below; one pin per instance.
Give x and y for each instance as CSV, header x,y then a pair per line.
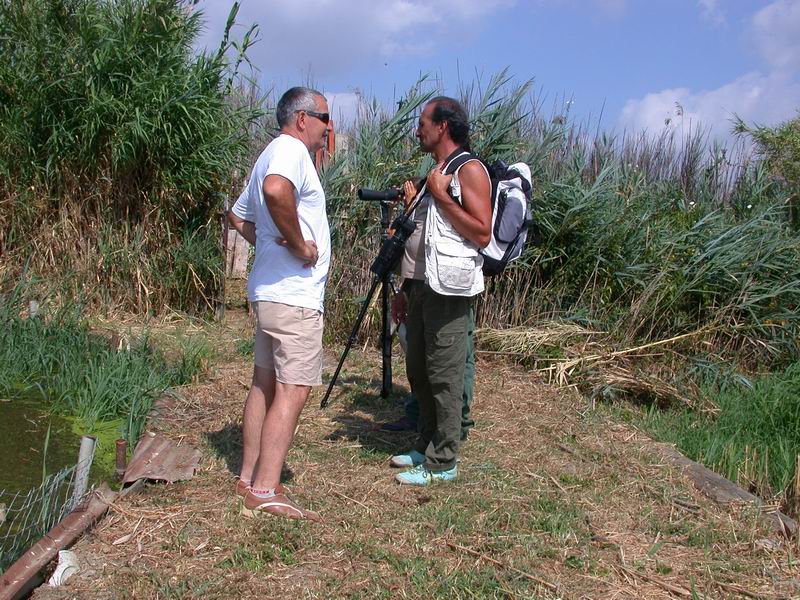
x,y
114,131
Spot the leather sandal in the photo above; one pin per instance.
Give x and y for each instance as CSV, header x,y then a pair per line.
x,y
241,488
279,505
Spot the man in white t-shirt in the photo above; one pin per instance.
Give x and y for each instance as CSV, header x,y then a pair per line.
x,y
282,212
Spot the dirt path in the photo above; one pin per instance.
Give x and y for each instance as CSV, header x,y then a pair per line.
x,y
553,501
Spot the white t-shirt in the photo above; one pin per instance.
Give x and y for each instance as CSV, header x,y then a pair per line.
x,y
277,276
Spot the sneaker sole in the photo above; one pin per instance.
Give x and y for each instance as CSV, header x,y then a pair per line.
x,y
411,483
432,481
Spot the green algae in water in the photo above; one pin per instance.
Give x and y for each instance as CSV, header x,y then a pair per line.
x,y
23,429
24,425
56,373
105,453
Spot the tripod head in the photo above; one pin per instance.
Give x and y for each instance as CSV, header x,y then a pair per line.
x,y
392,248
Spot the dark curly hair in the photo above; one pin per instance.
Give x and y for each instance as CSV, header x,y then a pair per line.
x,y
451,111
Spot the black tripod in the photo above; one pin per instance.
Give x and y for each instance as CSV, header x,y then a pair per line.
x,y
382,268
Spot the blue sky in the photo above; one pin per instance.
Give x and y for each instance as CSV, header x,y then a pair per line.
x,y
646,64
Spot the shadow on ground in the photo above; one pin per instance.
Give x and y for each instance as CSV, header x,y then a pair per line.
x,y
357,408
363,394
360,398
227,445
367,433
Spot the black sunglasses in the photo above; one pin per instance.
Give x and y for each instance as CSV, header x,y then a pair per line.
x,y
324,117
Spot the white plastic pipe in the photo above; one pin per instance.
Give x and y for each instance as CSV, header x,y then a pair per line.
x,y
85,457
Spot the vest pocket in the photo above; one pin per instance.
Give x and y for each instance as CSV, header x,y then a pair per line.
x,y
456,266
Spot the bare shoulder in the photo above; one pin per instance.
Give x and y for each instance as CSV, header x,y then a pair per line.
x,y
473,174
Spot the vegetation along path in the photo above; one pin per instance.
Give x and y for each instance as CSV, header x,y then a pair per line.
x,y
554,500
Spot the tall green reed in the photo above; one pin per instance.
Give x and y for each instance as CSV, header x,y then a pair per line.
x,y
754,438
643,237
119,139
647,237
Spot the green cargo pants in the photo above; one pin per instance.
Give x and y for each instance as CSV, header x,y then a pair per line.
x,y
436,332
411,406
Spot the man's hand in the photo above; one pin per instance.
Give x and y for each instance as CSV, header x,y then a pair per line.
x,y
308,252
399,307
409,193
438,183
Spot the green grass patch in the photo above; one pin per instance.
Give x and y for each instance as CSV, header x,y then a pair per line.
x,y
246,347
429,577
245,558
275,542
557,517
171,589
78,374
754,439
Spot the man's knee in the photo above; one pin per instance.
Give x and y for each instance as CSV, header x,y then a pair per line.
x,y
291,392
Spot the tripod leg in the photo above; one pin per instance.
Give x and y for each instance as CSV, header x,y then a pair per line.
x,y
350,340
386,338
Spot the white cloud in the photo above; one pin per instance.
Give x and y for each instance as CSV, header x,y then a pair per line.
x,y
712,11
777,34
345,107
767,99
331,37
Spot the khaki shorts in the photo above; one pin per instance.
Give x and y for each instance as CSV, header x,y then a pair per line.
x,y
289,340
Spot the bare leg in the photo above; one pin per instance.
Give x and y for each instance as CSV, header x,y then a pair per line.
x,y
278,431
259,399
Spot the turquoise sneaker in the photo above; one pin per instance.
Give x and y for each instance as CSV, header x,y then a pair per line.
x,y
419,475
412,459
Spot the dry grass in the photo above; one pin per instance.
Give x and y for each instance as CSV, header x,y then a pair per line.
x,y
571,355
526,341
554,500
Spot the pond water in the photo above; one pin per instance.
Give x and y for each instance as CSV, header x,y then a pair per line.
x,y
23,431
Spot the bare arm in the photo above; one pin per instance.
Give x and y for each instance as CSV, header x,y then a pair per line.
x,y
473,218
279,197
247,229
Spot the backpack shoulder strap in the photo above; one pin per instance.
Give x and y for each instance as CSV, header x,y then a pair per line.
x,y
459,161
456,163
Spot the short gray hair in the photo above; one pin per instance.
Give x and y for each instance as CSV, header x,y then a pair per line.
x,y
294,99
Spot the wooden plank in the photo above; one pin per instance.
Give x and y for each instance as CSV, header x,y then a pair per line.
x,y
725,491
236,255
